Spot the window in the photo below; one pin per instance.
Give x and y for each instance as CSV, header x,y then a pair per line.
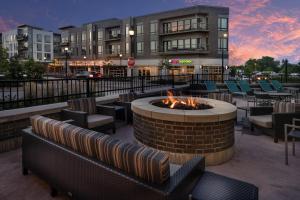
x,y
39,56
180,25
83,36
140,29
174,26
83,50
47,56
47,48
153,28
39,47
194,43
223,23
47,38
187,43
127,48
73,38
174,44
167,27
114,33
118,49
223,43
100,50
180,44
187,24
100,34
194,23
140,47
39,38
153,46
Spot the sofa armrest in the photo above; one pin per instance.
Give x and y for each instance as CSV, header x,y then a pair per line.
x,y
106,110
263,110
79,118
185,178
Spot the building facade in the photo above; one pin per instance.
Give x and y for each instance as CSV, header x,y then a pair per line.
x,y
28,42
188,40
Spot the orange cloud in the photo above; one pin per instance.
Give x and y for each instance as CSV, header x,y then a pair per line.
x,y
259,28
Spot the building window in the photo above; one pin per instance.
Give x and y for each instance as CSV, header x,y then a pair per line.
x,y
174,44
174,26
140,29
114,33
187,43
153,28
39,38
194,42
180,25
223,23
47,39
194,24
187,24
47,47
100,35
180,44
83,50
167,27
39,56
73,38
47,56
153,47
100,50
223,43
127,48
140,47
39,47
83,36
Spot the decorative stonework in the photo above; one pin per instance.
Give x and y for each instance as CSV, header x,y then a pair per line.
x,y
184,134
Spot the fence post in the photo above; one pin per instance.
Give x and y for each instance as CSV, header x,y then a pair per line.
x,y
143,79
88,94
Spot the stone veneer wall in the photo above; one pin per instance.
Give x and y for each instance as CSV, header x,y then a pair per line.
x,y
184,137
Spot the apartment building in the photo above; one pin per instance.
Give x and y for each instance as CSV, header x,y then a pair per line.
x,y
187,40
29,42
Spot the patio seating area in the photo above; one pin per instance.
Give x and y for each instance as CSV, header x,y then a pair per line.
x,y
96,143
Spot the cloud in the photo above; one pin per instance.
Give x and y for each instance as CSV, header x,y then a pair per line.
x,y
7,24
259,28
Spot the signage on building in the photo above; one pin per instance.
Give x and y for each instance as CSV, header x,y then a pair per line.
x,y
180,61
131,62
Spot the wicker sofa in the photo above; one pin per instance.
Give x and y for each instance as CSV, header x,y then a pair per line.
x,y
272,118
90,165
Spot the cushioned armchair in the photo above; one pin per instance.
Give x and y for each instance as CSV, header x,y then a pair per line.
x,y
125,101
87,114
272,119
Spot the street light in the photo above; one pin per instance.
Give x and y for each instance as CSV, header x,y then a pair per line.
x,y
225,35
66,61
120,56
85,66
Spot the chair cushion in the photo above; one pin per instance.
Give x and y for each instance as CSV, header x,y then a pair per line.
x,y
286,107
87,105
98,120
221,96
261,120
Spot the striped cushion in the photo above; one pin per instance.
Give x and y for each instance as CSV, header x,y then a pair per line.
x,y
221,97
283,107
87,105
43,126
129,97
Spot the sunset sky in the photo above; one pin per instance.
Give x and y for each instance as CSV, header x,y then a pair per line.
x,y
257,27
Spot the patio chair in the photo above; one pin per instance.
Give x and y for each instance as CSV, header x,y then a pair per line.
x,y
87,114
266,86
245,88
233,88
277,86
272,119
294,133
211,86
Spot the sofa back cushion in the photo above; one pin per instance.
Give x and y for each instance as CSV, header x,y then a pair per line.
x,y
87,105
221,96
285,107
129,97
44,126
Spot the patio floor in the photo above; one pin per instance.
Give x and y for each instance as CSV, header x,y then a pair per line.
x,y
257,160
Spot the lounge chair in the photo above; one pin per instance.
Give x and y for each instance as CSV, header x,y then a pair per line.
x,y
233,88
266,86
245,88
277,86
211,86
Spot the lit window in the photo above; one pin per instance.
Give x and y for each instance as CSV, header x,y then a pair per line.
x,y
153,46
174,26
100,50
223,23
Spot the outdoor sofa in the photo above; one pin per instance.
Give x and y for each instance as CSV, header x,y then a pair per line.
x,y
273,118
89,165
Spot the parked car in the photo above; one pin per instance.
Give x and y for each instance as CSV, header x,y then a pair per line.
x,y
87,74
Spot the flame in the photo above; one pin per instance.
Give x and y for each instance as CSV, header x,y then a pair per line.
x,y
172,101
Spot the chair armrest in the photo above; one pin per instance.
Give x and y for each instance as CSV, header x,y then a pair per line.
x,y
295,120
106,110
264,110
185,178
78,117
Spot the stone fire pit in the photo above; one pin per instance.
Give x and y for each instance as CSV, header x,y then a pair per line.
x,y
186,133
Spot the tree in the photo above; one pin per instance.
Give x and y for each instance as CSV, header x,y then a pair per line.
x,y
34,70
4,64
15,69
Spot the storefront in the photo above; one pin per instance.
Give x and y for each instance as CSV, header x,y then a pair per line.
x,y
114,71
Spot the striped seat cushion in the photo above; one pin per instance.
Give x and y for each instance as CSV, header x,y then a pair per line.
x,y
129,97
221,96
284,107
87,105
146,163
44,126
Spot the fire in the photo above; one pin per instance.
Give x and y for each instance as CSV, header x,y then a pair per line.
x,y
172,102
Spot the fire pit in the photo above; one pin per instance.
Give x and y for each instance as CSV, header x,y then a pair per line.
x,y
189,127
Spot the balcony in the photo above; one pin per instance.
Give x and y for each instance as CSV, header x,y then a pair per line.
x,y
113,38
203,27
22,37
185,51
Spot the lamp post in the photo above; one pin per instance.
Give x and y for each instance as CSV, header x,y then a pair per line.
x,y
66,61
84,58
225,35
131,34
120,56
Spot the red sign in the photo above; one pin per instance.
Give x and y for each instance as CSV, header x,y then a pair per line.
x,y
131,62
